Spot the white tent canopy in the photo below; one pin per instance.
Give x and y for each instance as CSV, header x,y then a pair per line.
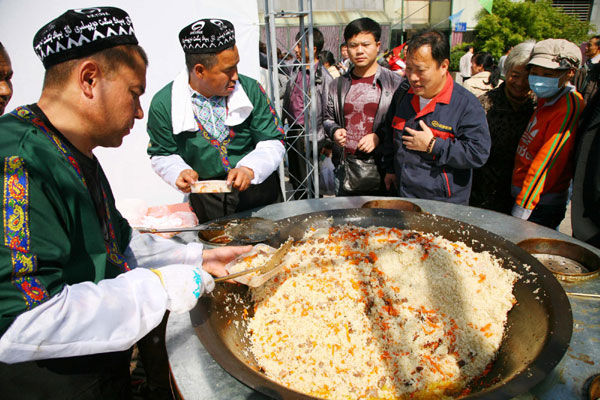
x,y
157,25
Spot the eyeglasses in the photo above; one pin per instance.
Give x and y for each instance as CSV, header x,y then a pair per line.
x,y
354,45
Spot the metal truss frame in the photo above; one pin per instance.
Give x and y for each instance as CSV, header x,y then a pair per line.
x,y
301,140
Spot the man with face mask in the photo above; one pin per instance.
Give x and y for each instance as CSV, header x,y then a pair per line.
x,y
543,164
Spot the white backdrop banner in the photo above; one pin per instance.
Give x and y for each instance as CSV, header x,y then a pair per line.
x,y
157,24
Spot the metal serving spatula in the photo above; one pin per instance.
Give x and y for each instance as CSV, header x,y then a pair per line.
x,y
201,227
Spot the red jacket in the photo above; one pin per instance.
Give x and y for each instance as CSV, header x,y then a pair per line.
x,y
543,163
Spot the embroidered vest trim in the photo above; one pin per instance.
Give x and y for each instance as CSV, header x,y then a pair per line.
x,y
112,249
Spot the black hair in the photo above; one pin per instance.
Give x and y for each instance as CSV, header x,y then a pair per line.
x,y
507,48
344,44
208,60
440,48
487,61
326,57
318,39
366,25
469,47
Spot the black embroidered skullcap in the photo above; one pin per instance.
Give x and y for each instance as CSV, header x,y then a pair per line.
x,y
209,35
81,32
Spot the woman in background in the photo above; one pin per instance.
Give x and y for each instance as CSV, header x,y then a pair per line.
x,y
485,74
508,109
328,61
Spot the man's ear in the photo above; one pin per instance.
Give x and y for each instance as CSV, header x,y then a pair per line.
x,y
88,75
199,70
445,64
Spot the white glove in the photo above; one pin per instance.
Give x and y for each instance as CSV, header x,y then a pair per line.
x,y
184,284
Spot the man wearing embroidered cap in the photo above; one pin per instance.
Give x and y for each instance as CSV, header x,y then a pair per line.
x,y
543,163
72,302
213,123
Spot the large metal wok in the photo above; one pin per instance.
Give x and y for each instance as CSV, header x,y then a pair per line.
x,y
536,337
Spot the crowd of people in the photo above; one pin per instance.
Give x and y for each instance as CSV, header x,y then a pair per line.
x,y
80,287
502,136
538,102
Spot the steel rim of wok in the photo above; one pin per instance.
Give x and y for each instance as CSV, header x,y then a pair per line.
x,y
538,330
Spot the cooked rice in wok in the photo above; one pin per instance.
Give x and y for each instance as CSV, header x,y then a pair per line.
x,y
380,313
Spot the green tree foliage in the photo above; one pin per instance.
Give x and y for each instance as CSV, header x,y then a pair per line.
x,y
514,22
456,53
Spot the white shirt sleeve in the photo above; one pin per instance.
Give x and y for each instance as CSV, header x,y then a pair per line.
x,y
169,167
151,251
263,160
88,318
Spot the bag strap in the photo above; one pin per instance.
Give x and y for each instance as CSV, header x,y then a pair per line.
x,y
402,90
342,118
340,105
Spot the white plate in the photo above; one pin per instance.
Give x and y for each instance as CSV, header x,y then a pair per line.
x,y
210,187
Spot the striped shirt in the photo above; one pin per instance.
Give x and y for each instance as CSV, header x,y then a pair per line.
x,y
543,163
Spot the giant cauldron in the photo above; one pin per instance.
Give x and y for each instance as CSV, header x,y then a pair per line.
x,y
537,334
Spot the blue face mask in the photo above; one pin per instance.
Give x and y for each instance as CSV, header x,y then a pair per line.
x,y
543,86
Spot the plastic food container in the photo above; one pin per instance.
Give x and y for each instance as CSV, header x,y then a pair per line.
x,y
210,187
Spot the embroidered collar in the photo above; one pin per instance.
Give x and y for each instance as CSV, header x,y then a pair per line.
x,y
210,113
239,106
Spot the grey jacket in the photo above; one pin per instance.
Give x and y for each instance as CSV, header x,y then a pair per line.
x,y
387,80
322,80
